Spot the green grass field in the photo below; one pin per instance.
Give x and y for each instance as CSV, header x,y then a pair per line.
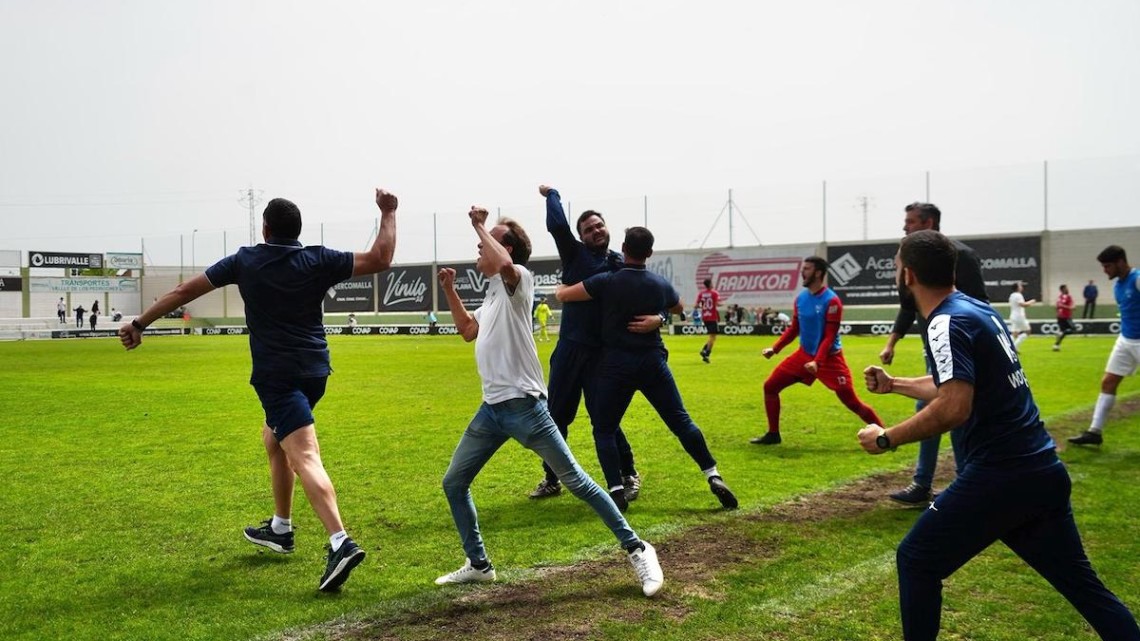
x,y
131,475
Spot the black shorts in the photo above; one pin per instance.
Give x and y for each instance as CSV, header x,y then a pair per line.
x,y
289,403
712,327
1066,325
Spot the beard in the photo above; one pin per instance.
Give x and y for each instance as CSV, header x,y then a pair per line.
x,y
906,296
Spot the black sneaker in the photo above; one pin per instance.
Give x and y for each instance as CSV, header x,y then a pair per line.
x,y
266,537
619,499
727,498
632,487
913,494
1087,438
339,565
771,438
546,489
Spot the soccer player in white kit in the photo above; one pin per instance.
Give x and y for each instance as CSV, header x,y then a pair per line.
x,y
1018,323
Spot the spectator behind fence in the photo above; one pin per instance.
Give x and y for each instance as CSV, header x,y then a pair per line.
x,y
1090,294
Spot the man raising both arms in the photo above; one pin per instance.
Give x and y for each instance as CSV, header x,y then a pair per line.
x,y
283,285
815,319
514,402
1125,357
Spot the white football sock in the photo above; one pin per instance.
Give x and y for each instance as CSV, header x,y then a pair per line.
x,y
1104,403
1020,338
337,539
280,525
711,472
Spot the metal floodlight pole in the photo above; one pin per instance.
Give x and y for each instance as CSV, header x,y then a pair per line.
x,y
193,249
225,299
645,210
1046,195
824,234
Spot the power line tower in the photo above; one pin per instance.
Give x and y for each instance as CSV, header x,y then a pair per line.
x,y
732,208
251,198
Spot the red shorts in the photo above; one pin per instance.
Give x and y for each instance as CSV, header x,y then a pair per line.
x,y
833,373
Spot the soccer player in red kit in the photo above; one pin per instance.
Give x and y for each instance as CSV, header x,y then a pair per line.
x,y
815,319
708,301
1064,317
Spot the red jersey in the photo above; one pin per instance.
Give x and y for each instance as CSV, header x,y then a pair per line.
x,y
1064,306
707,302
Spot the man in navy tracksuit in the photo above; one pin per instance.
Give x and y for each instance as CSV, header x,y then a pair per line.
x,y
579,345
637,362
1010,486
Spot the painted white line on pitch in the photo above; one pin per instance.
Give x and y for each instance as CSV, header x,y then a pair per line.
x,y
829,586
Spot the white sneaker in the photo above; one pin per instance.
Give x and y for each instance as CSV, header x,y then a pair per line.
x,y
648,569
1056,348
468,574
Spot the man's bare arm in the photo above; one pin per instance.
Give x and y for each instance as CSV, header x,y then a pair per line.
x,y
379,257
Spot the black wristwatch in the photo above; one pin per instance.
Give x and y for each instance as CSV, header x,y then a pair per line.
x,y
136,324
883,441
664,317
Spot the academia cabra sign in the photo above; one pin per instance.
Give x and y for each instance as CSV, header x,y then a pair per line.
x,y
865,274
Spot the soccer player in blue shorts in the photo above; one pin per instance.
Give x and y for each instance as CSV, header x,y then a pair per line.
x,y
638,362
283,285
575,357
1010,485
1125,357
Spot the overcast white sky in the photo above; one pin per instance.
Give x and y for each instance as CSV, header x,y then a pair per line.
x,y
132,119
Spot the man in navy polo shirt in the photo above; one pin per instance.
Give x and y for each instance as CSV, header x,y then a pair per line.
x,y
575,357
283,284
637,362
1010,486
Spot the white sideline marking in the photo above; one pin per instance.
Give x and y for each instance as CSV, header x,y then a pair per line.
x,y
829,586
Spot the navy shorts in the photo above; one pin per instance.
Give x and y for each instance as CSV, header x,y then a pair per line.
x,y
289,403
713,327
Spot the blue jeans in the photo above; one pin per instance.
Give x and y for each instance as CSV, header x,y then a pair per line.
x,y
1023,504
527,421
622,373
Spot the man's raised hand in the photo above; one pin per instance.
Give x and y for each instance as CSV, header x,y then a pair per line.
x,y
447,277
478,216
386,201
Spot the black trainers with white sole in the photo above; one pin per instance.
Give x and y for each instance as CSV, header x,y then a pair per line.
x,y
267,538
339,565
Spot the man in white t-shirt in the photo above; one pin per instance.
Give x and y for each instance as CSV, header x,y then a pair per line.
x,y
514,402
1018,323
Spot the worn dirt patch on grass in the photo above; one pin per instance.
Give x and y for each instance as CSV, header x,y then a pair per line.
x,y
572,602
